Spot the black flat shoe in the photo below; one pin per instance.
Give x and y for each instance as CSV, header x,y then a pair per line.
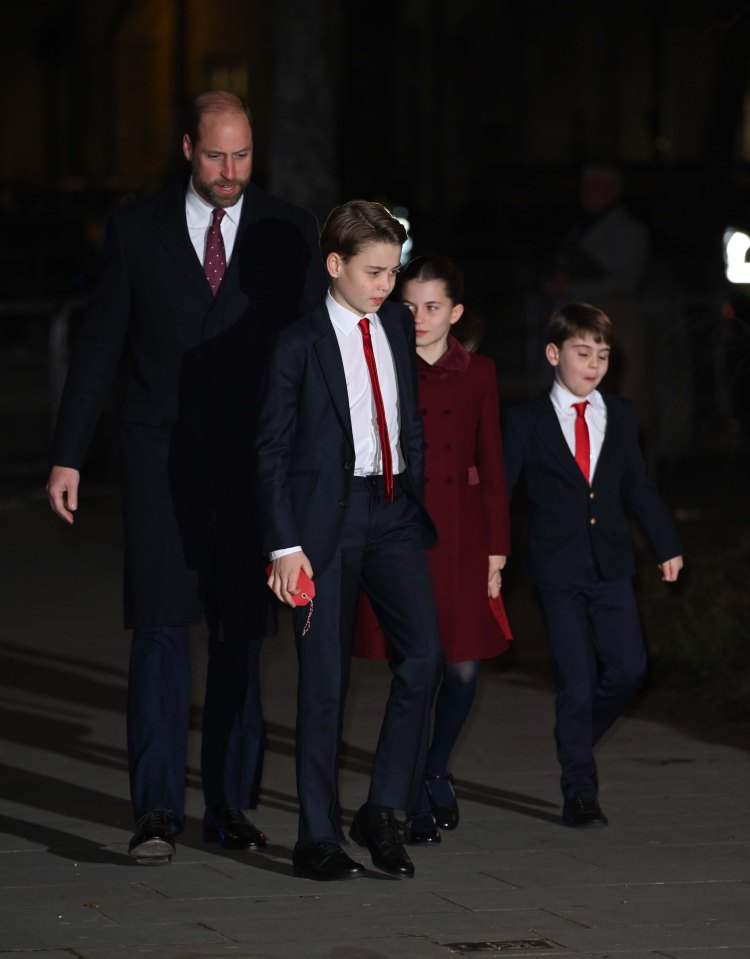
x,y
231,828
583,810
324,861
153,840
421,830
379,833
446,817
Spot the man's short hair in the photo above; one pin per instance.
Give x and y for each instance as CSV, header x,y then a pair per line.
x,y
580,319
214,101
353,225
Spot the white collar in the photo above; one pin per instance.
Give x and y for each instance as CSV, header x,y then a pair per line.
x,y
563,399
344,319
199,212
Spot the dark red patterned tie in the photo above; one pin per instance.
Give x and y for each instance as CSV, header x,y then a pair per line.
x,y
583,446
215,263
385,443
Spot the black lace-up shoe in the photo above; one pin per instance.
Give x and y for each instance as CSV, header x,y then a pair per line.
x,y
379,832
325,861
153,840
583,810
231,828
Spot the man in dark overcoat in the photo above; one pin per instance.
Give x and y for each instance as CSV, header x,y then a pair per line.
x,y
194,283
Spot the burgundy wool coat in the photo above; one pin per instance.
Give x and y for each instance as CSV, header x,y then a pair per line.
x,y
465,493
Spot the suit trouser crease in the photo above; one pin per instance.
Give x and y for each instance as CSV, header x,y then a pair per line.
x,y
159,693
597,649
380,551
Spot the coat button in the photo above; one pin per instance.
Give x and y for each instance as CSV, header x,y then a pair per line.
x,y
448,480
592,521
348,466
592,494
343,503
423,411
446,412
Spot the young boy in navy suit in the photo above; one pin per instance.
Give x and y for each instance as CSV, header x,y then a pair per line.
x,y
339,483
578,448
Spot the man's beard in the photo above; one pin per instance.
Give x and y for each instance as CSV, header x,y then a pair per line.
x,y
209,192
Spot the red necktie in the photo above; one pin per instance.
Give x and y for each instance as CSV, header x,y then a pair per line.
x,y
583,447
385,443
215,263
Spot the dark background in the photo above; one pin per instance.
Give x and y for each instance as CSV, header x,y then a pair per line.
x,y
475,117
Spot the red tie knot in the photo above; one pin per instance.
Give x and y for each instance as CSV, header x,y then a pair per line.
x,y
218,216
580,408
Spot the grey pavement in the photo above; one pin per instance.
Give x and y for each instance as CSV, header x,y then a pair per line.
x,y
670,877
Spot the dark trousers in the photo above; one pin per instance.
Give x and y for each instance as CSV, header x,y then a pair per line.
x,y
596,644
381,551
159,719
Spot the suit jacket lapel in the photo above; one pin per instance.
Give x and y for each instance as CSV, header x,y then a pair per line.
x,y
173,233
329,356
550,431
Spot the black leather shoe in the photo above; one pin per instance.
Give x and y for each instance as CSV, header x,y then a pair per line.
x,y
420,830
153,840
379,832
445,816
583,810
325,861
231,828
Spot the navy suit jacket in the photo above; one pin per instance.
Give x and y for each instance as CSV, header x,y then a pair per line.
x,y
305,447
570,522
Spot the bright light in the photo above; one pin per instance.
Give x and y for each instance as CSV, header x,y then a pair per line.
x,y
402,215
736,246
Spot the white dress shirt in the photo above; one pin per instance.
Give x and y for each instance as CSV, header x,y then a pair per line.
x,y
596,420
367,453
199,215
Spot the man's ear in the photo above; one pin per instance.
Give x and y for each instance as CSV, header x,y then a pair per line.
x,y
187,147
552,352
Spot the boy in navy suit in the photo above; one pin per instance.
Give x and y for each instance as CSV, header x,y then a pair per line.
x,y
339,484
578,448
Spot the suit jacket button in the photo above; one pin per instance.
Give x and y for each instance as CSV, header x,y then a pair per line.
x,y
343,503
593,521
592,494
348,466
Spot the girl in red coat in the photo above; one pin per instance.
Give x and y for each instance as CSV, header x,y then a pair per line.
x,y
466,496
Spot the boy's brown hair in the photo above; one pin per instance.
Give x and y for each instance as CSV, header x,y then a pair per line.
x,y
580,319
353,225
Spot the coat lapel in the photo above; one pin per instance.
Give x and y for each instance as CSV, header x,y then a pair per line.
x,y
548,427
173,233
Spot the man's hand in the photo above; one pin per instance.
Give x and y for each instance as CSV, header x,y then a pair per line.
x,y
284,574
670,570
494,579
62,491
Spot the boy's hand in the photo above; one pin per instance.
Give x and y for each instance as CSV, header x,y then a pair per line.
x,y
284,574
671,569
494,579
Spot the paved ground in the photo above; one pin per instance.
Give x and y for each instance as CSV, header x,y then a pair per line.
x,y
670,877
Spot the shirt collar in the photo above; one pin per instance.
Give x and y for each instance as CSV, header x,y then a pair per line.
x,y
343,319
199,211
563,399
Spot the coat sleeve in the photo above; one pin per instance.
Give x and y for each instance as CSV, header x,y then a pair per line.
x,y
316,277
639,492
489,461
514,443
96,355
274,444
